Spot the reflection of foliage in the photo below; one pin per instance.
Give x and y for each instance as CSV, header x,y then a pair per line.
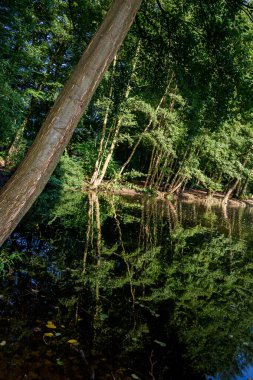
x,y
210,282
69,209
149,289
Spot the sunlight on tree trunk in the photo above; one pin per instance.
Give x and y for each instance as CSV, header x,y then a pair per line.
x,y
98,178
32,175
101,144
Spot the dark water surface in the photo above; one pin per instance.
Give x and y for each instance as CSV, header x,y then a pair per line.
x,y
127,288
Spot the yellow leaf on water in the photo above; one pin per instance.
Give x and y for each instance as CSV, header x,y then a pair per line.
x,y
50,325
72,341
50,335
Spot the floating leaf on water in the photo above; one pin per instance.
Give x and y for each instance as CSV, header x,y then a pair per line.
x,y
49,335
72,341
50,325
3,343
134,376
162,344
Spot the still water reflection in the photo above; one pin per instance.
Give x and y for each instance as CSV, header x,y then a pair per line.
x,y
127,288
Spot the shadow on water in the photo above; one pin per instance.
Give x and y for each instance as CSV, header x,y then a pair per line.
x,y
127,288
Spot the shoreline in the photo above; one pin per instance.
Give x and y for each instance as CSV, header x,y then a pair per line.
x,y
202,196
189,196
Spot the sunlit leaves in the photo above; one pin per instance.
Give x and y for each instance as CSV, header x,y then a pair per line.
x,y
50,325
73,341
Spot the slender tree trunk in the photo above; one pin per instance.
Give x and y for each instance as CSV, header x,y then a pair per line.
x,y
230,191
156,168
243,188
177,186
150,166
233,186
177,175
29,180
146,129
100,176
162,174
101,144
183,186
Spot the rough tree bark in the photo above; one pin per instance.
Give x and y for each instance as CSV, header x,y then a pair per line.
x,y
26,184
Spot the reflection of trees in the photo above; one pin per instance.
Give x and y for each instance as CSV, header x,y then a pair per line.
x,y
155,216
138,288
203,284
210,283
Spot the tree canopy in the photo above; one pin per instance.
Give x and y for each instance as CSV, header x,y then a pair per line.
x,y
173,111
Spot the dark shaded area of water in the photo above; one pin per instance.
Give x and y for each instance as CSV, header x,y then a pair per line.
x,y
127,288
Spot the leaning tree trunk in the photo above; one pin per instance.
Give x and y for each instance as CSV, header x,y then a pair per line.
x,y
230,191
26,184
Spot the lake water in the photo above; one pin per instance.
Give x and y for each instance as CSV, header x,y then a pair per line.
x,y
127,288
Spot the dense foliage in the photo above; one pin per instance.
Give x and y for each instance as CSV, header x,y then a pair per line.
x,y
174,110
